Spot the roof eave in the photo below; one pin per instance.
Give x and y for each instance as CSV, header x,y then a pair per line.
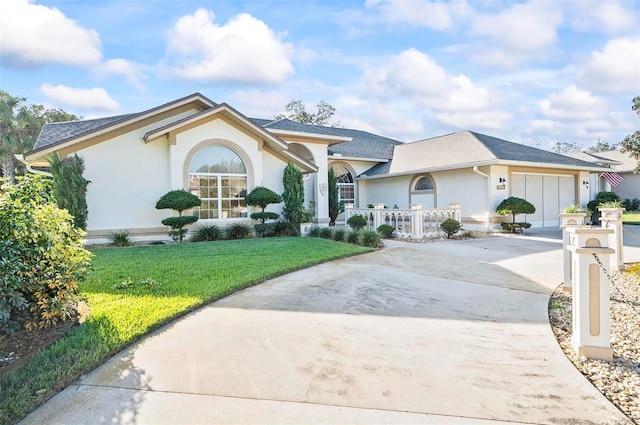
x,y
356,158
309,135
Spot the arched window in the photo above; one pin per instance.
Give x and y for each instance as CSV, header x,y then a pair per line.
x,y
423,183
346,185
218,176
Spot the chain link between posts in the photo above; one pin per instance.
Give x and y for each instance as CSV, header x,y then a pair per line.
x,y
614,286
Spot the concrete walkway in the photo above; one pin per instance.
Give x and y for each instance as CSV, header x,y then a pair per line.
x,y
439,333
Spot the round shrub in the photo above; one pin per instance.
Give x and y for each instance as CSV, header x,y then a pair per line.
x,y
357,222
450,227
386,231
370,238
42,263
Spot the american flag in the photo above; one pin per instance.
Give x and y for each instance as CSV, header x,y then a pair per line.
x,y
614,179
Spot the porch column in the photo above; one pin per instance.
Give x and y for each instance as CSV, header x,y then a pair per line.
x,y
591,317
567,221
611,218
417,220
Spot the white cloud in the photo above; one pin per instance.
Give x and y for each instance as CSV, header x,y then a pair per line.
x,y
94,99
35,35
431,14
520,33
611,17
572,103
129,70
243,50
616,68
417,76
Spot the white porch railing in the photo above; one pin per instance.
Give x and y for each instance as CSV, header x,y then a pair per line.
x,y
416,222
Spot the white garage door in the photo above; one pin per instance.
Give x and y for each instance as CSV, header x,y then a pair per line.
x,y
548,193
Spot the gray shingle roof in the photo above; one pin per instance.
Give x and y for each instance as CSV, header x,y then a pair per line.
x,y
467,148
362,145
52,133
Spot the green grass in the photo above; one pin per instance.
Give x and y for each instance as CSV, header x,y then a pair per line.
x,y
631,217
190,275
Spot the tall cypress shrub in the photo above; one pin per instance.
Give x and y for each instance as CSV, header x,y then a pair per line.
x,y
334,204
293,195
70,188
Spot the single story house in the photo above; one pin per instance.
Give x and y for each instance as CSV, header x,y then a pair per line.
x,y
619,178
220,155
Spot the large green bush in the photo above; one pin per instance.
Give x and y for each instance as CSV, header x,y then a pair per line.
x,y
70,187
41,259
293,195
334,204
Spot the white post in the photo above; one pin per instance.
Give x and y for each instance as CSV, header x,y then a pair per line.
x,y
377,215
348,212
457,213
568,220
591,317
417,225
611,218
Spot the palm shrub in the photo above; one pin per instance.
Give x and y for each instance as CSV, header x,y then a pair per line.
x,y
42,260
122,238
514,206
314,232
370,238
70,187
206,232
357,222
326,233
238,231
353,236
293,195
450,226
178,200
262,197
334,203
339,234
385,230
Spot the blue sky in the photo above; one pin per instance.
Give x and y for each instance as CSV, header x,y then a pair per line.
x,y
534,72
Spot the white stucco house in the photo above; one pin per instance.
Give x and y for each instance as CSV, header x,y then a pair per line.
x,y
220,155
619,177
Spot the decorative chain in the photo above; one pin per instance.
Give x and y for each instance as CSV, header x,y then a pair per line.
x,y
614,286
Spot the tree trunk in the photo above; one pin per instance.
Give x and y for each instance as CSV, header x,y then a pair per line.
x,y
8,168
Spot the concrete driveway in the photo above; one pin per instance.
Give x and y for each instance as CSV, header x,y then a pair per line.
x,y
442,333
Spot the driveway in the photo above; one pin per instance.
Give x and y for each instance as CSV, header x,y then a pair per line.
x,y
437,333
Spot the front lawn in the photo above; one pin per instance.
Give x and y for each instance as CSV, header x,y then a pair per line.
x,y
159,283
631,217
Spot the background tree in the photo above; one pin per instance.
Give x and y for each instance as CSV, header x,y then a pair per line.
x,y
20,125
565,148
631,143
70,187
293,195
261,197
334,203
178,200
296,111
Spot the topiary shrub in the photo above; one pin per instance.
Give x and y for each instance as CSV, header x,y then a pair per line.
x,y
293,196
357,222
370,238
339,234
178,200
386,231
42,261
262,197
334,203
514,206
238,231
450,227
205,233
353,236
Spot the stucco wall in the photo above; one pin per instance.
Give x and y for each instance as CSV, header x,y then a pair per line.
x,y
127,178
630,187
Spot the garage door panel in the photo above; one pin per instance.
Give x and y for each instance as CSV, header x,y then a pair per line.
x,y
548,193
567,185
534,194
551,195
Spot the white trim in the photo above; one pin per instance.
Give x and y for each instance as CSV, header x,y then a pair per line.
x,y
310,135
356,158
